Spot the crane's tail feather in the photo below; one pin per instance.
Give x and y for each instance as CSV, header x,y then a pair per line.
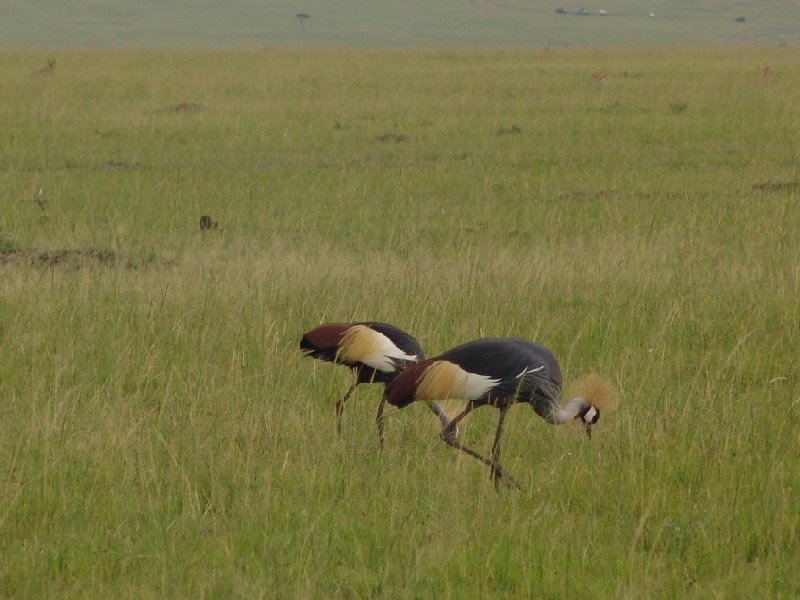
x,y
596,390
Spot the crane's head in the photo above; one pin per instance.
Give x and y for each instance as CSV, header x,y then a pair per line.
x,y
588,415
592,394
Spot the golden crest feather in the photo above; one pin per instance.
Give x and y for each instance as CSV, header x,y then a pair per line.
x,y
596,390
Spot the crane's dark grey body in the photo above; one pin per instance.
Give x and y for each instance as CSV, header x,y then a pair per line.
x,y
505,359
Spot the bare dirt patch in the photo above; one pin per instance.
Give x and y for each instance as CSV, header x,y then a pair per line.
x,y
777,186
71,258
185,107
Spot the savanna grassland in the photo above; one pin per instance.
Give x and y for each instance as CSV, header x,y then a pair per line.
x,y
397,23
162,436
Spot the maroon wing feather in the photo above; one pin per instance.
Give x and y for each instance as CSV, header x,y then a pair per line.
x,y
401,391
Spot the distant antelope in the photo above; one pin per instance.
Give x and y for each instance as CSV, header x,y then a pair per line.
x,y
600,77
48,70
766,73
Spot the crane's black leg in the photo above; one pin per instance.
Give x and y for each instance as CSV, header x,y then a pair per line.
x,y
379,421
448,436
496,448
340,408
439,412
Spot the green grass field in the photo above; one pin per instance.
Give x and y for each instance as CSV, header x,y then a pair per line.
x,y
161,435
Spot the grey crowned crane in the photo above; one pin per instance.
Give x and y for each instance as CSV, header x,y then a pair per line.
x,y
376,352
500,372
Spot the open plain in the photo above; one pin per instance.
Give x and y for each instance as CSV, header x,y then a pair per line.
x,y
162,436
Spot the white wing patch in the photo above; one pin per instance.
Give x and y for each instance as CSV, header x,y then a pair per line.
x,y
383,351
472,386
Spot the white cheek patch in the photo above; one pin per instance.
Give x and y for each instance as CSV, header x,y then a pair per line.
x,y
590,415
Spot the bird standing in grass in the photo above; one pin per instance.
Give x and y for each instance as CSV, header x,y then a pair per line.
x,y
376,352
500,372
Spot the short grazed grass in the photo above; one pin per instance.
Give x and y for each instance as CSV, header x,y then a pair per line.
x,y
161,435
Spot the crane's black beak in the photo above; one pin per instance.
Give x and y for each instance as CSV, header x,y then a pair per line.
x,y
589,430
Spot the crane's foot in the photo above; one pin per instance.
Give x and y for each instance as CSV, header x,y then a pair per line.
x,y
500,475
453,431
448,436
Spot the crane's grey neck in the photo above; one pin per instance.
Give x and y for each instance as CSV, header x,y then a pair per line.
x,y
567,413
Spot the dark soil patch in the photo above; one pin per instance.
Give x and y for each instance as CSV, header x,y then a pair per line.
x,y
777,186
514,129
73,258
390,137
190,107
116,165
